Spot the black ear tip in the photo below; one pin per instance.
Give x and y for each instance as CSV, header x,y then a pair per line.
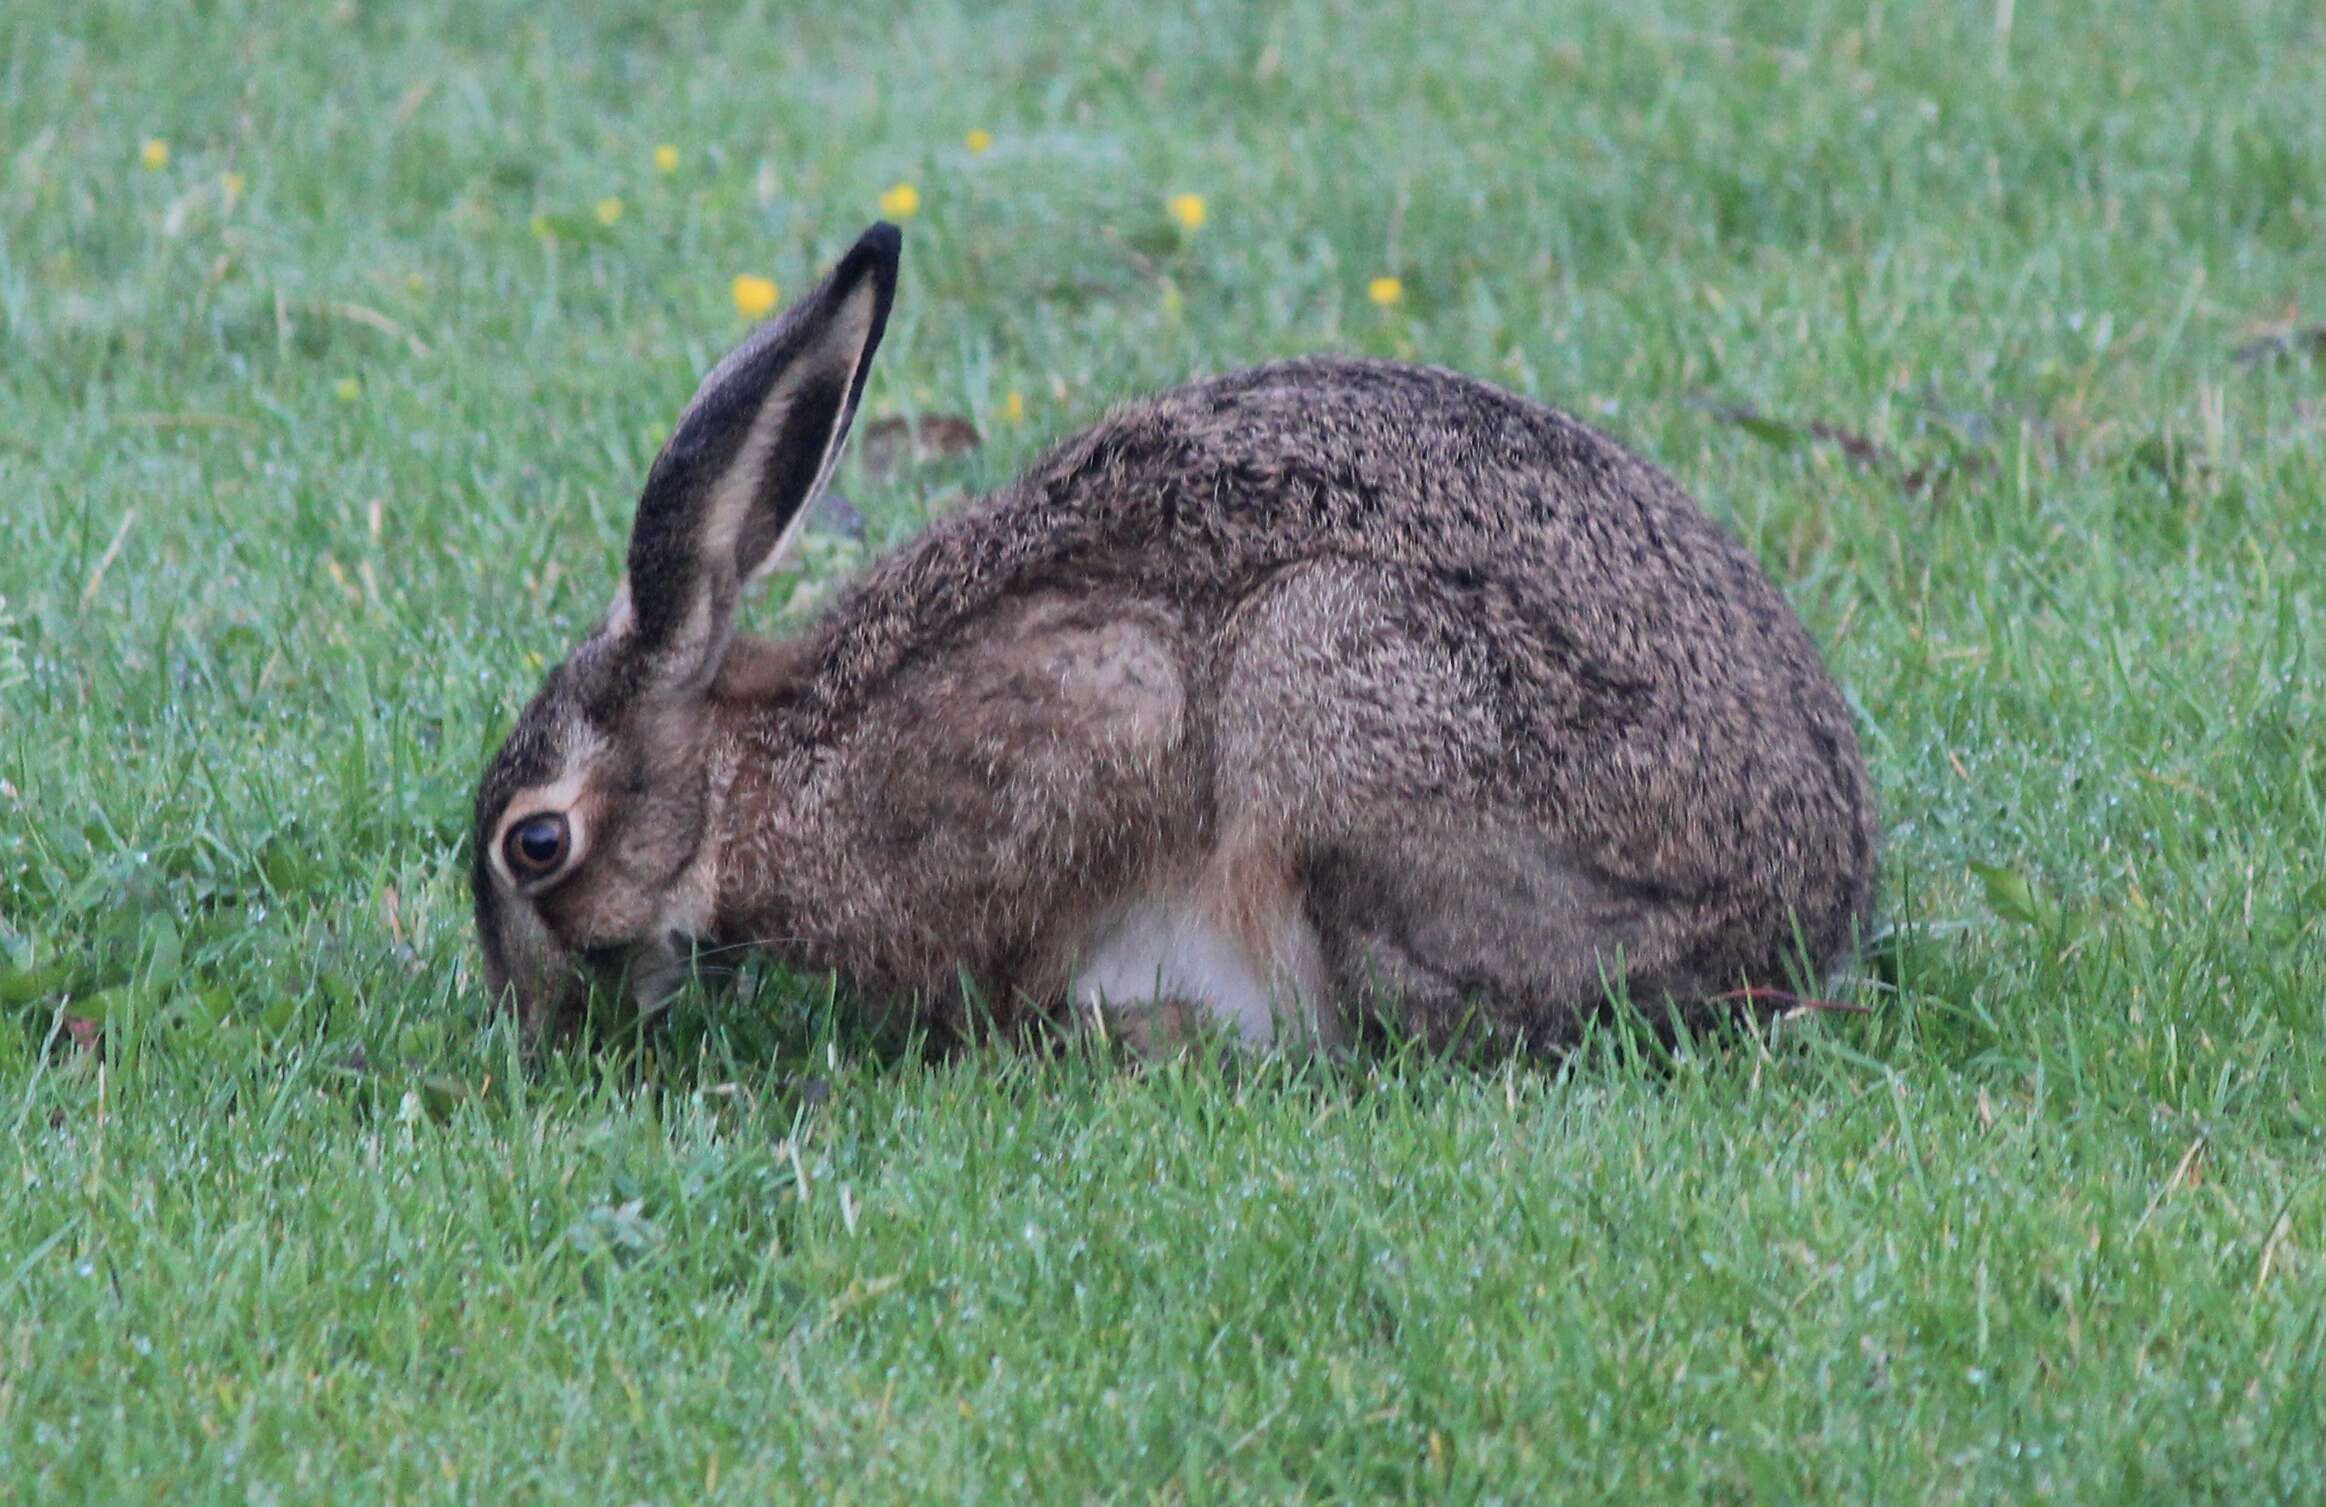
x,y
878,248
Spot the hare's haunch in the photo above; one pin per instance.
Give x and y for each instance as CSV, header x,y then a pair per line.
x,y
1323,692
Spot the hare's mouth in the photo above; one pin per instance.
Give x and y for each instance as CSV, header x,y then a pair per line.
x,y
658,970
647,972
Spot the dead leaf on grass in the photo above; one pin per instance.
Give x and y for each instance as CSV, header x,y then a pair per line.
x,y
1860,450
2278,345
890,444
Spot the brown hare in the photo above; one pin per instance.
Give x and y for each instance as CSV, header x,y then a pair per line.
x,y
1327,692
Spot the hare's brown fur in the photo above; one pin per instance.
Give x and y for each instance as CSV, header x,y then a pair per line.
x,y
1366,685
1503,710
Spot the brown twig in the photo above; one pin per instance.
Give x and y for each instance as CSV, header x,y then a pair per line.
x,y
1793,1003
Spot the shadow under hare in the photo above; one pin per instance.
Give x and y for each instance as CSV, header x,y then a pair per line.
x,y
1328,691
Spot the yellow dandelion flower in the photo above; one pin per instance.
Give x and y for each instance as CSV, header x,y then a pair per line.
x,y
155,154
666,159
609,210
1189,210
979,141
754,296
1013,407
347,389
230,187
1385,291
901,202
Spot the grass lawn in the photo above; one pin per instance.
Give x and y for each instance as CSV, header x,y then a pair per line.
x,y
334,341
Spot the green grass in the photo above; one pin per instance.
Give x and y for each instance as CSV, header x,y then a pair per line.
x,y
302,488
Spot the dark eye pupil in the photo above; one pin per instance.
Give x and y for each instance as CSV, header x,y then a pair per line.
x,y
537,843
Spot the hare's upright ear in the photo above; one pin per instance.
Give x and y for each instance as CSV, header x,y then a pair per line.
x,y
749,455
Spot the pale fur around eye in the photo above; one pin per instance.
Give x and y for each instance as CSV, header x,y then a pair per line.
x,y
560,803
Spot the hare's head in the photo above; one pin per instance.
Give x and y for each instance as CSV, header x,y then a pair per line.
x,y
595,855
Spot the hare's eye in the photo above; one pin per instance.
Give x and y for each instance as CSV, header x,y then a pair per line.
x,y
536,845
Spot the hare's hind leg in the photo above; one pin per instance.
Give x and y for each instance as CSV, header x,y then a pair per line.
x,y
1465,930
1358,718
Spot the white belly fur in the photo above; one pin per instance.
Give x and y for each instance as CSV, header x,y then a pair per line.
x,y
1169,946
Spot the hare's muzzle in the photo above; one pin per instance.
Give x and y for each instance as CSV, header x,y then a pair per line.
x,y
547,990
527,971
